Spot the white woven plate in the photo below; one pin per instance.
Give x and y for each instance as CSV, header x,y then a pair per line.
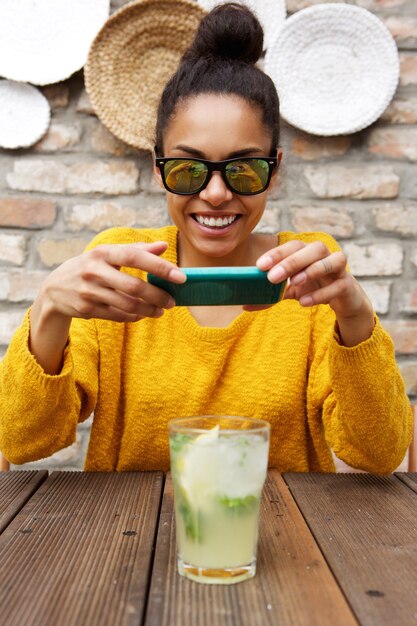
x,y
336,68
24,114
271,14
45,41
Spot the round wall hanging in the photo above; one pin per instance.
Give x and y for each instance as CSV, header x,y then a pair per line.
x,y
336,68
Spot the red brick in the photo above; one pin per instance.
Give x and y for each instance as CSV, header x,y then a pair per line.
x,y
26,212
21,285
53,176
374,259
55,251
397,219
57,95
334,221
401,111
394,143
404,29
9,321
12,248
102,141
356,182
404,334
310,148
59,137
408,69
98,216
408,298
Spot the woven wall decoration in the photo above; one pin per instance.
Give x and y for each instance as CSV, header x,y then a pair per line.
x,y
271,14
131,60
336,68
24,114
45,41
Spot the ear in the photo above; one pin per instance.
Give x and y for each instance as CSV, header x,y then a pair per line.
x,y
157,171
276,170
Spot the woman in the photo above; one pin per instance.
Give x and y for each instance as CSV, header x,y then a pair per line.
x,y
317,365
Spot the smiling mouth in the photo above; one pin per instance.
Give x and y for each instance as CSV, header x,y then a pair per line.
x,y
215,222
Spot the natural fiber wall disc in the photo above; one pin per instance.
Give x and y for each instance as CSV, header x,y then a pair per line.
x,y
336,68
131,60
24,114
45,41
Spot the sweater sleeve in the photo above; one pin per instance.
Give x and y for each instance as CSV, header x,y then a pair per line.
x,y
39,412
355,395
358,396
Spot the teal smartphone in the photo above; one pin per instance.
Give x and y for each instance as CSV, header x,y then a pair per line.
x,y
213,286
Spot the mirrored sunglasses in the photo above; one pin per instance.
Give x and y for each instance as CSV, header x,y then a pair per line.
x,y
246,175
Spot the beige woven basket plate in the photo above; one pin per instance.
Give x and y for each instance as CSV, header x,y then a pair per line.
x,y
45,41
336,69
271,14
131,60
24,114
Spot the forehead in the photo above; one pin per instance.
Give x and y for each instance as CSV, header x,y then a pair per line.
x,y
217,125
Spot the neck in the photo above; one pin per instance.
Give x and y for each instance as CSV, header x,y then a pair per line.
x,y
247,253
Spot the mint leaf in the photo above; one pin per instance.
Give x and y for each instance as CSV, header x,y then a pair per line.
x,y
239,505
179,441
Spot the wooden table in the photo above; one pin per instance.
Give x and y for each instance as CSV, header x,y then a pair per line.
x,y
99,549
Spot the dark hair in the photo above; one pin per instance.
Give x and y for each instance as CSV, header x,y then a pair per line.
x,y
221,60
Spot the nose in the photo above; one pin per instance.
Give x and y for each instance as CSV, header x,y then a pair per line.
x,y
216,191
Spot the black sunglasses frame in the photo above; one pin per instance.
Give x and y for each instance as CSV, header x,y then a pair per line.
x,y
216,166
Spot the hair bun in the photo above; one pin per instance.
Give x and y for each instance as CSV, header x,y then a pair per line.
x,y
229,31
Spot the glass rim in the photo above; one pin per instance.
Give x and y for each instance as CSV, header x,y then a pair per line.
x,y
180,423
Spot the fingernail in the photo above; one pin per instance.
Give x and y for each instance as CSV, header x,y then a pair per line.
x,y
298,278
264,262
158,313
277,273
306,301
177,276
170,304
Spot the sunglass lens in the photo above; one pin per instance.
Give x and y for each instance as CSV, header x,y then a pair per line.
x,y
249,176
185,175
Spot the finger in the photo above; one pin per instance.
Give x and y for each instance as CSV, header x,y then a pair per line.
x,y
334,264
274,256
157,298
298,261
112,314
140,257
324,295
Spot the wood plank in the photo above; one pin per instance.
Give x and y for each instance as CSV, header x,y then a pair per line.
x,y
409,479
80,552
366,528
293,585
16,488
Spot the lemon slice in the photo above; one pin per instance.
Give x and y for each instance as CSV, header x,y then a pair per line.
x,y
198,469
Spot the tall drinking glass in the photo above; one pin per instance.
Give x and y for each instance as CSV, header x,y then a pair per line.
x,y
218,467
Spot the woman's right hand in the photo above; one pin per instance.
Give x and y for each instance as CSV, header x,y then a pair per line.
x,y
91,285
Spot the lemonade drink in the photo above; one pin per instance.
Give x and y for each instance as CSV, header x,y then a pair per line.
x,y
219,466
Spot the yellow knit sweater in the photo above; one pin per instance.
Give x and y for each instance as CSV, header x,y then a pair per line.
x,y
283,364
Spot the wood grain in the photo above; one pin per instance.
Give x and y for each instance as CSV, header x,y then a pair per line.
x,y
366,528
15,490
408,479
293,585
80,552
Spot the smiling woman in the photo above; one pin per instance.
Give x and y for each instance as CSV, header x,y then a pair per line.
x,y
318,366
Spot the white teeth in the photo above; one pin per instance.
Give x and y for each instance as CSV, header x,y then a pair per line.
x,y
219,222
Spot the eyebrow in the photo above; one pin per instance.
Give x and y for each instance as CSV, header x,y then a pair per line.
x,y
232,155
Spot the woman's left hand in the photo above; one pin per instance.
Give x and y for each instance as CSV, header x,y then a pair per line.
x,y
317,276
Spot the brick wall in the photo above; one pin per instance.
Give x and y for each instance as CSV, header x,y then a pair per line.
x,y
362,189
